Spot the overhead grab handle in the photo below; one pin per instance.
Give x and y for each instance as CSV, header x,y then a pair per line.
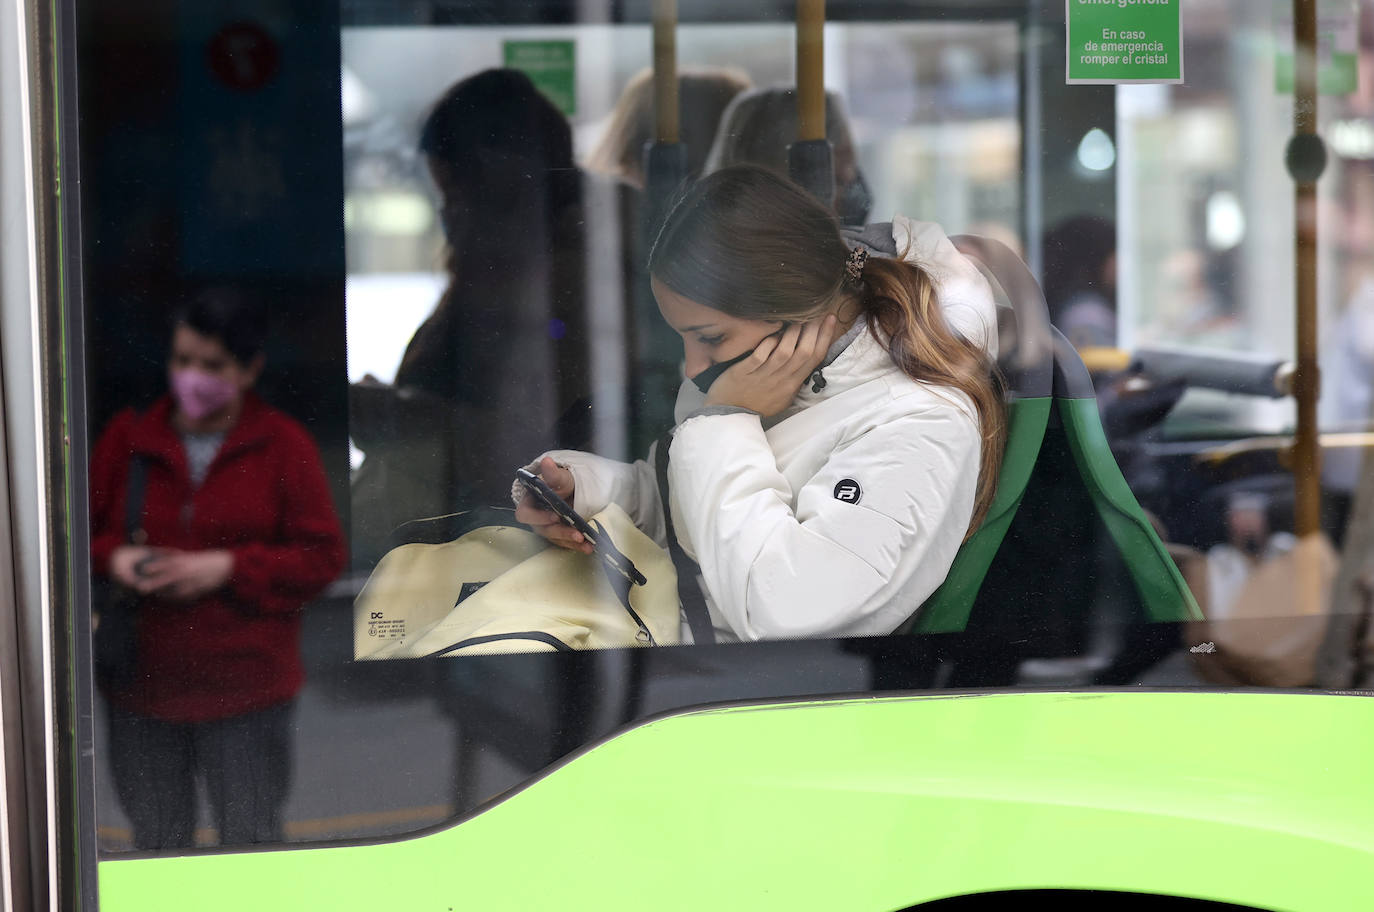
x,y
810,160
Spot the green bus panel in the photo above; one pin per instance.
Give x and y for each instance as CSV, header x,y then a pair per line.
x,y
873,804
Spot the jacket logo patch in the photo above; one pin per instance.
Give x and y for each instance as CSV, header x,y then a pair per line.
x,y
848,490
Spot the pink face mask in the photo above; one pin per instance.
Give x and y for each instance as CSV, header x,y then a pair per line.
x,y
200,394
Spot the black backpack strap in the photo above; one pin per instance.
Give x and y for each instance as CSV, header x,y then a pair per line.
x,y
688,592
114,642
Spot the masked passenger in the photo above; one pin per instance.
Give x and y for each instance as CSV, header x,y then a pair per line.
x,y
824,482
235,532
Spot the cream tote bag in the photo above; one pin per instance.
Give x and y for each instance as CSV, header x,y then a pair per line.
x,y
476,583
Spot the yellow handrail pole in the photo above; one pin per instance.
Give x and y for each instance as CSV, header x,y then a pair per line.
x,y
810,69
1305,160
810,159
1306,382
666,129
665,157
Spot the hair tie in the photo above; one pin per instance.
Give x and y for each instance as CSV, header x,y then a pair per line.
x,y
854,266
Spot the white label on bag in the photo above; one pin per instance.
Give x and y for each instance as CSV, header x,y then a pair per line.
x,y
384,628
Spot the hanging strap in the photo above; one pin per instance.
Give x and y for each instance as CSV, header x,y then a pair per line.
x,y
621,574
689,594
133,501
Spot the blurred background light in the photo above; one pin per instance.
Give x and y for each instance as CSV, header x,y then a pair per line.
x,y
1096,152
1225,220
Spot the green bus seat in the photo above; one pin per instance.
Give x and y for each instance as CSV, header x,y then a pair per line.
x,y
1161,587
1045,374
1025,360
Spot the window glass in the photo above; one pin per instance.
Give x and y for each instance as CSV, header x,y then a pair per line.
x,y
348,268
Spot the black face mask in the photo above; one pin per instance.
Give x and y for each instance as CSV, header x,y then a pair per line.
x,y
703,380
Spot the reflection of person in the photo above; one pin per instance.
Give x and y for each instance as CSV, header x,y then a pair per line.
x,y
1189,309
1348,385
758,127
240,533
825,482
1347,394
506,338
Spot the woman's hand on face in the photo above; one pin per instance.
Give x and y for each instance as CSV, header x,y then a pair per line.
x,y
546,522
767,381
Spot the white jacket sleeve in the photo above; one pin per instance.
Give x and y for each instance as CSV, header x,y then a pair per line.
x,y
599,482
832,567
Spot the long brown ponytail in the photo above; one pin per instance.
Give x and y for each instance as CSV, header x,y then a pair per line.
x,y
749,243
904,313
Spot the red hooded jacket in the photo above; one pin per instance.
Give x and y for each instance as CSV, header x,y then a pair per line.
x,y
265,499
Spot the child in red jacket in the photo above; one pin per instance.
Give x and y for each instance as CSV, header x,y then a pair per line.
x,y
238,533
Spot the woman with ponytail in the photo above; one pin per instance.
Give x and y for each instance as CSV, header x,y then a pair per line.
x,y
841,430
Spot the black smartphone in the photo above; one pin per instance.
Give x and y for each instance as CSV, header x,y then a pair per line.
x,y
545,495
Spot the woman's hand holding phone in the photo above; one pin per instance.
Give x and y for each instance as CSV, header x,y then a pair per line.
x,y
767,381
546,522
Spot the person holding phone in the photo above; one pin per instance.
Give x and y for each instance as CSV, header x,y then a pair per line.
x,y
825,478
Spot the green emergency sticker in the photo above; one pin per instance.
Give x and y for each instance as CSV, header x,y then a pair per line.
x,y
551,66
1124,41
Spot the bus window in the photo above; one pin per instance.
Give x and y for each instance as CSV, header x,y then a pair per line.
x,y
348,267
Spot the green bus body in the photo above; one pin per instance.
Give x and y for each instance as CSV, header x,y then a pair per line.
x,y
873,804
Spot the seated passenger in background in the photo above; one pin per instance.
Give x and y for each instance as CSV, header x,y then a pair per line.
x,y
703,94
824,482
758,127
236,531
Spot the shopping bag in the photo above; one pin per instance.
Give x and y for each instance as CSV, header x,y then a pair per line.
x,y
497,588
1266,634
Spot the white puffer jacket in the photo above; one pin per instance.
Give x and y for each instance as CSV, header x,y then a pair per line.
x,y
845,513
